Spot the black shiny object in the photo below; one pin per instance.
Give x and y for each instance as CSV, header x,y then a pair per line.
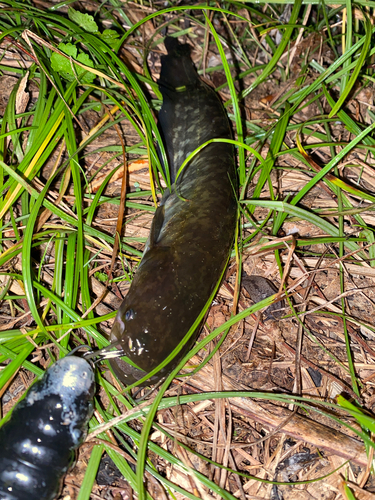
x,y
37,444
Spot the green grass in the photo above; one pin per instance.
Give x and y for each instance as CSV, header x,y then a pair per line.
x,y
75,66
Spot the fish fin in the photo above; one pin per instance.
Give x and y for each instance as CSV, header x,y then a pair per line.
x,y
158,223
156,227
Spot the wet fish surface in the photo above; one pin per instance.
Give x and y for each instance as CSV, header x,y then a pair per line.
x,y
193,228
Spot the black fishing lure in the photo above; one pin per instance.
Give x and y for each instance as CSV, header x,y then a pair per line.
x,y
37,444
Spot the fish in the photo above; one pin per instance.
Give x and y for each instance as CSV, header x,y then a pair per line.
x,y
193,228
38,442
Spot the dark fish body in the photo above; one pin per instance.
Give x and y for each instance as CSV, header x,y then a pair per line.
x,y
37,444
192,232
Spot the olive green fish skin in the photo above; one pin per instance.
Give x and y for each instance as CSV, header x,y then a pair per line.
x,y
191,234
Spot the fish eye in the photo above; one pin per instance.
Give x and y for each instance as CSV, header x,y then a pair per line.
x,y
129,315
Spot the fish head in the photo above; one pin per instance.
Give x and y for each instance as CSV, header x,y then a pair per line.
x,y
130,327
151,318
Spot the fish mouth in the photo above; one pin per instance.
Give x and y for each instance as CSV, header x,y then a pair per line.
x,y
129,374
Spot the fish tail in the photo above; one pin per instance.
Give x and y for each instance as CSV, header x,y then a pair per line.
x,y
175,48
177,68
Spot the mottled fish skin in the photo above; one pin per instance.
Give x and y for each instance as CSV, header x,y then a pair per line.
x,y
191,236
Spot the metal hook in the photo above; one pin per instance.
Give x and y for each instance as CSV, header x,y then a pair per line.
x,y
81,346
105,353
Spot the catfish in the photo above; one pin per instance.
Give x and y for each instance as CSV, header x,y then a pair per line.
x,y
193,229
